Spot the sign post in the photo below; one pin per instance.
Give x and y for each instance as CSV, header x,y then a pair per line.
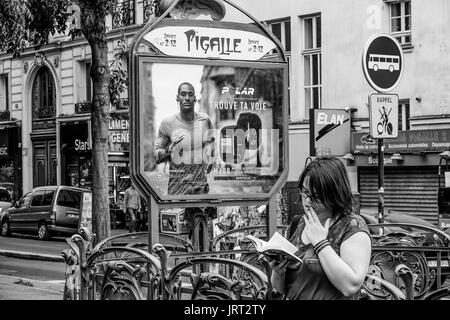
x,y
382,63
208,114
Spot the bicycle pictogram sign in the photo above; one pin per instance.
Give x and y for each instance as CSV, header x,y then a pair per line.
x,y
384,125
383,114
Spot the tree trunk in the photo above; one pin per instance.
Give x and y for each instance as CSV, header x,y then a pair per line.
x,y
93,28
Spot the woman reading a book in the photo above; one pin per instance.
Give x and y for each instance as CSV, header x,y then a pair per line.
x,y
334,243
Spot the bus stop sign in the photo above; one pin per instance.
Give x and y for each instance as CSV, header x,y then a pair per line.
x,y
382,62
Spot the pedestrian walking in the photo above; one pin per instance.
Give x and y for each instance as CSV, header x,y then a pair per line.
x,y
132,207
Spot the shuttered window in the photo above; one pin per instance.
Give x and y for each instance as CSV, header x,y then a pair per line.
x,y
407,190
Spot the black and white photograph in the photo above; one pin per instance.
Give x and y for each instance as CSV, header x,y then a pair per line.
x,y
238,150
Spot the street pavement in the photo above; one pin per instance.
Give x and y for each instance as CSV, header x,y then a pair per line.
x,y
48,258
18,288
29,247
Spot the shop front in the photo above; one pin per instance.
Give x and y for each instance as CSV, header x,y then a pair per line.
x,y
118,158
10,160
411,172
76,154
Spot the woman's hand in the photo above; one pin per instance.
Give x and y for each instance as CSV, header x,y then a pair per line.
x,y
314,230
280,265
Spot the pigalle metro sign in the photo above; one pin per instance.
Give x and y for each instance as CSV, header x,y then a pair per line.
x,y
204,42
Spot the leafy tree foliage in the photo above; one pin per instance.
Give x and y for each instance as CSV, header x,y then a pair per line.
x,y
29,23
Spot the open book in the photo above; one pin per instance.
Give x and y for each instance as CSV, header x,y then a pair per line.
x,y
274,248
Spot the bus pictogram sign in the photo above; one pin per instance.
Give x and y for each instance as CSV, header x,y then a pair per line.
x,y
382,62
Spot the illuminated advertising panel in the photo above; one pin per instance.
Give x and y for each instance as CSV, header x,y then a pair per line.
x,y
210,128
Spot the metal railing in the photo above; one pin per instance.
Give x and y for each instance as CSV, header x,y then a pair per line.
x,y
83,107
413,265
120,104
123,13
151,8
5,115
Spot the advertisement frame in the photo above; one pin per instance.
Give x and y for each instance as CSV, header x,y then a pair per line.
x,y
137,133
136,159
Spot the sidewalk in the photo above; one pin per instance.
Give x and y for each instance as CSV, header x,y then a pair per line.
x,y
46,254
17,288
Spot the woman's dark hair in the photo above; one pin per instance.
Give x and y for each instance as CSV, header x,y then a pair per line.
x,y
329,184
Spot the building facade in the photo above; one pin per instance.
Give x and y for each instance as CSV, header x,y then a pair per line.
x,y
45,98
325,41
45,109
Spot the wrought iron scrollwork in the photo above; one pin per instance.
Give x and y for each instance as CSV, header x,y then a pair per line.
x,y
151,8
123,13
211,285
402,258
121,281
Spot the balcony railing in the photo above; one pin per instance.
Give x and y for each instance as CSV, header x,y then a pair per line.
x,y
151,8
83,107
123,14
5,115
43,112
120,104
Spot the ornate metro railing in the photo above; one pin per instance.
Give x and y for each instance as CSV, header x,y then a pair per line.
x,y
412,265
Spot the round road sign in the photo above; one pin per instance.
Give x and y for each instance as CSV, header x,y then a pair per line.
x,y
382,62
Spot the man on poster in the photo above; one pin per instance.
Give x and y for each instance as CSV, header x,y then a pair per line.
x,y
181,141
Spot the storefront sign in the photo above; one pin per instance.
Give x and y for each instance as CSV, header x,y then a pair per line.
x,y
75,137
119,134
4,143
117,164
407,141
203,42
331,132
374,160
444,223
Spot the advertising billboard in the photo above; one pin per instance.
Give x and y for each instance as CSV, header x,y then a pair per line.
x,y
210,128
331,132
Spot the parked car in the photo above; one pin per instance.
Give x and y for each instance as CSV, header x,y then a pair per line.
x,y
47,211
5,199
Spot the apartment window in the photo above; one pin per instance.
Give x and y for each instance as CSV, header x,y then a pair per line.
x,y
88,81
84,82
312,63
4,92
400,13
44,99
282,30
403,115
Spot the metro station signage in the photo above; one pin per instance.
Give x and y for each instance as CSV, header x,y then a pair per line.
x,y
204,42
